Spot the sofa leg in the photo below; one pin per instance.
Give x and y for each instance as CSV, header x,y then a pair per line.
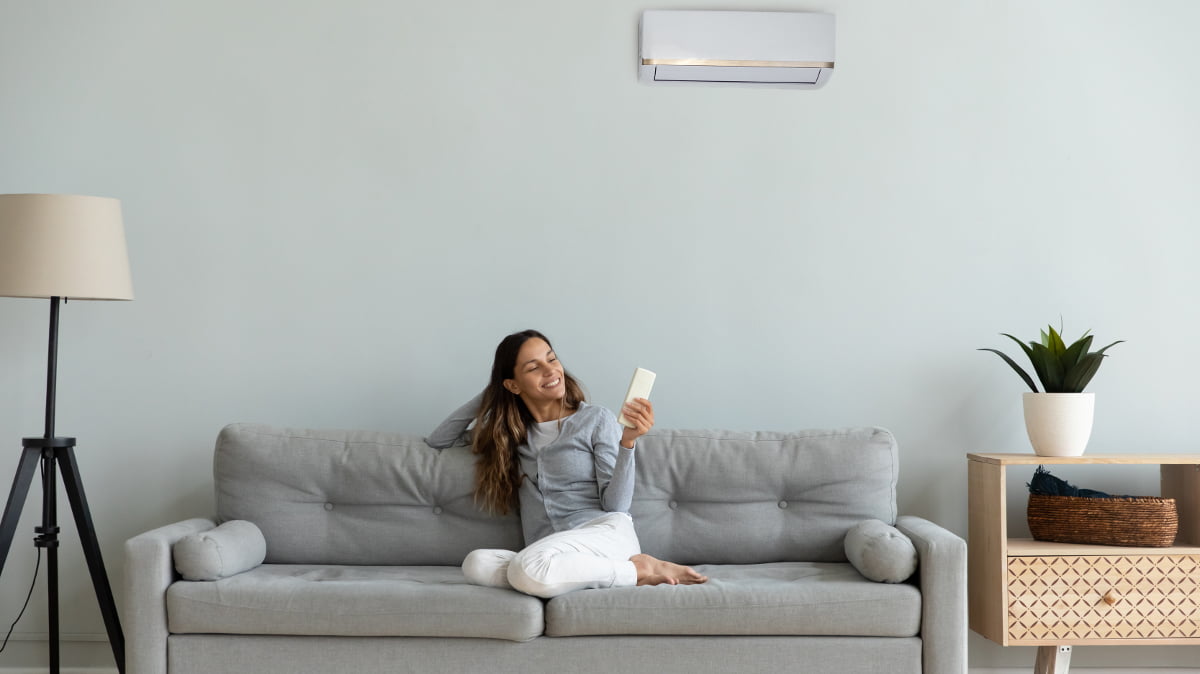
x,y
1053,660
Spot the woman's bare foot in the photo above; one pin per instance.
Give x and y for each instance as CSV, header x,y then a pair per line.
x,y
654,571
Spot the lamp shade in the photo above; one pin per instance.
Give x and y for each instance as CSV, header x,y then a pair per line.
x,y
60,245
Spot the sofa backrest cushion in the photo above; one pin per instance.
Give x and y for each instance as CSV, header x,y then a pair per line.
x,y
359,497
354,497
744,498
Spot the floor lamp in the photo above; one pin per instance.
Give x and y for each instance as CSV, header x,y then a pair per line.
x,y
61,247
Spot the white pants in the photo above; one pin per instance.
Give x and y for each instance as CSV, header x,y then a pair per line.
x,y
595,554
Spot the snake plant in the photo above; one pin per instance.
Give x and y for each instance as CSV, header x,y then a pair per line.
x,y
1060,368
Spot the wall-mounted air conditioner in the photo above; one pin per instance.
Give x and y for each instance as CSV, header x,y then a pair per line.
x,y
773,49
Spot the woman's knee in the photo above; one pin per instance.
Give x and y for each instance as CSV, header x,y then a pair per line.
x,y
530,572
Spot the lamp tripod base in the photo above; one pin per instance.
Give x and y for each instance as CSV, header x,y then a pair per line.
x,y
55,455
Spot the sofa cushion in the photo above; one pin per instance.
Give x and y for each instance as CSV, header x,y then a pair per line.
x,y
786,598
222,551
416,601
354,497
705,497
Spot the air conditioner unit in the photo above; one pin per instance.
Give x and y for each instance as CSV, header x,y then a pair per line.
x,y
770,49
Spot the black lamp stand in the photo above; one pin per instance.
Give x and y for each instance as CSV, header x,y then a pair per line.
x,y
57,453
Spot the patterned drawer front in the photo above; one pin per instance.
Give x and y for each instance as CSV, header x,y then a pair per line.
x,y
1133,597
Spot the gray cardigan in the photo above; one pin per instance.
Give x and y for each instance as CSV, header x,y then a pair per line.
x,y
581,475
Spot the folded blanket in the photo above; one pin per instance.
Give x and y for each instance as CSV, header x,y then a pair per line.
x,y
1046,484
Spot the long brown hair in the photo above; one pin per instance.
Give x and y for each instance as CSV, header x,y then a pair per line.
x,y
503,423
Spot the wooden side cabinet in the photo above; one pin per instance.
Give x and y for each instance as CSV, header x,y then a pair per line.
x,y
1058,595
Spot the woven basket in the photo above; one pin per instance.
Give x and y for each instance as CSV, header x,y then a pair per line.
x,y
1142,521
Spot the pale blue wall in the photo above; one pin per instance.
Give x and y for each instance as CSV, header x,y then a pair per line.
x,y
335,210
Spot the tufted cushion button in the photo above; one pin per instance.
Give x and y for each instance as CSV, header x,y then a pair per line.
x,y
437,510
783,504
673,505
329,506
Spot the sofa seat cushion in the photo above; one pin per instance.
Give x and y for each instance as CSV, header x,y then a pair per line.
x,y
408,601
784,598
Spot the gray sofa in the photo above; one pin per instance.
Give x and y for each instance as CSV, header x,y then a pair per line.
x,y
365,533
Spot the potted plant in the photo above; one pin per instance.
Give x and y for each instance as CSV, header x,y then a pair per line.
x,y
1058,418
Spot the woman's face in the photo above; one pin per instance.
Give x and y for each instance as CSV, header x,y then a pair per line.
x,y
538,376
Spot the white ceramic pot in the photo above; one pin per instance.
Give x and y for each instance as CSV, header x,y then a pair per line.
x,y
1059,424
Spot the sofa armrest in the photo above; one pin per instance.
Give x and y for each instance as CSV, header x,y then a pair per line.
x,y
942,575
149,571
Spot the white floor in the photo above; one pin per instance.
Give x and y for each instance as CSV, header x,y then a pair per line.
x,y
1091,670
973,671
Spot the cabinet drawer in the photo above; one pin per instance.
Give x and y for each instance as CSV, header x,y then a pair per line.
x,y
1120,597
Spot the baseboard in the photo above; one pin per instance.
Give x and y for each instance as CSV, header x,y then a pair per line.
x,y
64,671
26,654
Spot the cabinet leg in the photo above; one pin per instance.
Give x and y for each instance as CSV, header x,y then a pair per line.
x,y
1053,660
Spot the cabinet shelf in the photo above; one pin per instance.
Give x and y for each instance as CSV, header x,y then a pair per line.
x,y
1027,547
1114,459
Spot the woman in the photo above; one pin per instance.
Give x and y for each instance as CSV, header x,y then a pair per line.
x,y
568,465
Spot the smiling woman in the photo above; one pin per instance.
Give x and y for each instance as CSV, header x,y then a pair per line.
x,y
521,393
570,467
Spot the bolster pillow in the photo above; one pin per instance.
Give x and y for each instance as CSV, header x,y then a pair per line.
x,y
880,552
233,547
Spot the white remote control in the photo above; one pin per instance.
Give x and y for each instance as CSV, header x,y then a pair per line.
x,y
639,387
